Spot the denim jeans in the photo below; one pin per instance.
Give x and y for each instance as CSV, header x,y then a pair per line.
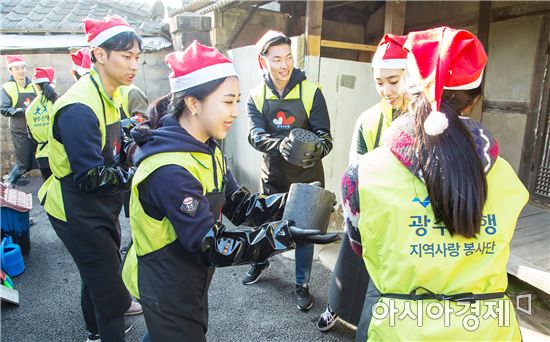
x,y
304,258
15,173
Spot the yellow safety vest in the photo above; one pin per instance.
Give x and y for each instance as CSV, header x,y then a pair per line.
x,y
124,93
38,118
308,93
149,234
374,121
13,90
83,92
404,248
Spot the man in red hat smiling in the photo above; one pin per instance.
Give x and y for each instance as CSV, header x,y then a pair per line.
x,y
84,196
284,101
17,94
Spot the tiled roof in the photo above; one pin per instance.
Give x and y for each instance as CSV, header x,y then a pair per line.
x,y
34,16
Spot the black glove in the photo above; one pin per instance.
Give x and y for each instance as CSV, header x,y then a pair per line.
x,y
264,142
12,111
311,158
312,236
107,180
325,142
221,247
127,124
285,147
254,209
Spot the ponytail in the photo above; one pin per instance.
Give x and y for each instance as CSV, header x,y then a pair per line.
x,y
451,168
157,110
48,92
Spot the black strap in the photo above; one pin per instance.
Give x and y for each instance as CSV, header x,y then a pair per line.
x,y
459,297
102,103
378,131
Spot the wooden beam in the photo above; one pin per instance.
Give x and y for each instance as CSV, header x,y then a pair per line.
x,y
394,21
314,25
483,25
349,46
531,8
521,107
483,22
533,129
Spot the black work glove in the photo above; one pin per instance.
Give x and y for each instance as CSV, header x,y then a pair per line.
x,y
129,123
300,235
254,209
12,111
107,179
285,147
311,158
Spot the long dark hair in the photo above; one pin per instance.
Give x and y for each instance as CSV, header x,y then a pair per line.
x,y
48,92
174,104
450,165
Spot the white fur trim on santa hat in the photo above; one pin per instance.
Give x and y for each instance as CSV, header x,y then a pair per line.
x,y
16,63
80,70
468,86
400,63
436,123
206,74
41,80
109,33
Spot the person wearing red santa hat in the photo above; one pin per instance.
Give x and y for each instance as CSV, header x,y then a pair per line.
x,y
437,206
82,62
181,187
83,198
286,100
38,115
350,278
16,95
133,99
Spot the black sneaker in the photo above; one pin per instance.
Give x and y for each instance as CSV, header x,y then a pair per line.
x,y
303,297
327,320
252,276
91,337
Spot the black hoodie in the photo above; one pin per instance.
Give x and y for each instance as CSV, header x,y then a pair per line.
x,y
162,193
278,172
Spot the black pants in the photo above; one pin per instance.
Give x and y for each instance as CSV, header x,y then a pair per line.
x,y
349,284
168,327
94,246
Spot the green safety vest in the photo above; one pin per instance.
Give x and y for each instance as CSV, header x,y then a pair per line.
x,y
148,234
404,248
84,92
308,93
374,121
37,116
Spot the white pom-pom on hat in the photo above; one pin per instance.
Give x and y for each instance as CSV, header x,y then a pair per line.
x,y
436,123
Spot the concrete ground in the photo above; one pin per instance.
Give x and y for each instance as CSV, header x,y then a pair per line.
x,y
50,297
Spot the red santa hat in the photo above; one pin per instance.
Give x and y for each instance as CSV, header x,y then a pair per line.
x,y
265,42
45,74
196,65
444,58
14,60
99,31
390,54
82,62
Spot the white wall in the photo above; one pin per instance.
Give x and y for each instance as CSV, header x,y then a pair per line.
x,y
344,106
